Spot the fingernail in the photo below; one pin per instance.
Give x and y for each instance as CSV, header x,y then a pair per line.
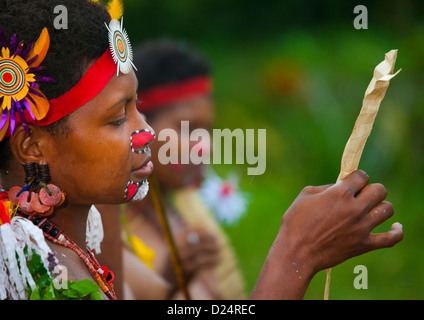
x,y
398,224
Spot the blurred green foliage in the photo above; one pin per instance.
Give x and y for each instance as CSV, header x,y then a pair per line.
x,y
300,69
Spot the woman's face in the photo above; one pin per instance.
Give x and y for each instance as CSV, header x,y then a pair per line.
x,y
199,112
94,163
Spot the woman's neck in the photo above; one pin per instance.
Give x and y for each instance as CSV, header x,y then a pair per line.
x,y
72,219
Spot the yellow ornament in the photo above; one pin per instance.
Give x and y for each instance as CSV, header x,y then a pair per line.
x,y
143,252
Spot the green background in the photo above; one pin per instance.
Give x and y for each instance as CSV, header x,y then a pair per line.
x,y
299,69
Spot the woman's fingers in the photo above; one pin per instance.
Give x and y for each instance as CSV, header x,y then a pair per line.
x,y
387,239
380,213
356,181
316,189
198,249
371,195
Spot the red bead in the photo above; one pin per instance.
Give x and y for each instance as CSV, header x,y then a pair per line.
x,y
110,277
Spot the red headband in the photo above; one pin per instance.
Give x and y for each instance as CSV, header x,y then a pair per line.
x,y
90,85
163,95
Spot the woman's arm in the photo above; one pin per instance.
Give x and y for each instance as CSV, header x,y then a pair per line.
x,y
323,227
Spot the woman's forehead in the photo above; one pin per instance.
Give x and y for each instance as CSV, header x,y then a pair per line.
x,y
199,106
120,89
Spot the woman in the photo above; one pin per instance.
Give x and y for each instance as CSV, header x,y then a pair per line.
x,y
87,151
175,86
91,146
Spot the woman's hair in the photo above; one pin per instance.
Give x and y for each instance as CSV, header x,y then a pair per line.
x,y
165,61
71,50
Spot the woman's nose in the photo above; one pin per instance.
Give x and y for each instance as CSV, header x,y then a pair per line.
x,y
140,140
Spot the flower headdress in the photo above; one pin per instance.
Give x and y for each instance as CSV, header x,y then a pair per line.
x,y
29,105
19,86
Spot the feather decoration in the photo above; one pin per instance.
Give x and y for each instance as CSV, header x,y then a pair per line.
x,y
114,7
40,49
16,237
94,229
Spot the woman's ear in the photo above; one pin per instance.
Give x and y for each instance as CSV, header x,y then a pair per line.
x,y
26,147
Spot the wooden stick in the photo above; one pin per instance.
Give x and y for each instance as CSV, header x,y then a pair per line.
x,y
160,209
374,94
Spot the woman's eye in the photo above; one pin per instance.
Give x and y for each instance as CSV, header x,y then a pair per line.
x,y
119,122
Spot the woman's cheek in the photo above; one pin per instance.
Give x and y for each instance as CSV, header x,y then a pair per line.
x,y
100,179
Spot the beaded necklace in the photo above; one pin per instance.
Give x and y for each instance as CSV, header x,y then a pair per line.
x,y
103,276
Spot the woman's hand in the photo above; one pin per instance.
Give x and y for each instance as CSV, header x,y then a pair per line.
x,y
330,224
198,250
323,227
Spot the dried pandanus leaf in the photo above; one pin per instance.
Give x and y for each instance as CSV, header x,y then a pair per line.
x,y
374,94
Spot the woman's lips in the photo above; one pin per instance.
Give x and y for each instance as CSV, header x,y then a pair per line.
x,y
144,171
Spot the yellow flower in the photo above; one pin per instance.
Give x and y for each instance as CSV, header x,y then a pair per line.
x,y
18,84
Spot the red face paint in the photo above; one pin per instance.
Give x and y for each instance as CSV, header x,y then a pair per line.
x,y
136,190
141,139
131,190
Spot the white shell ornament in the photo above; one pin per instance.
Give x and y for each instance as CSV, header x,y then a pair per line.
x,y
120,46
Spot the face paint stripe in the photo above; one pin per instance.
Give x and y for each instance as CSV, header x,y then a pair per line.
x,y
132,190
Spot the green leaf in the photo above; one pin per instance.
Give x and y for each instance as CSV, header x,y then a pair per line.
x,y
45,290
49,293
81,289
38,271
84,287
35,294
96,296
